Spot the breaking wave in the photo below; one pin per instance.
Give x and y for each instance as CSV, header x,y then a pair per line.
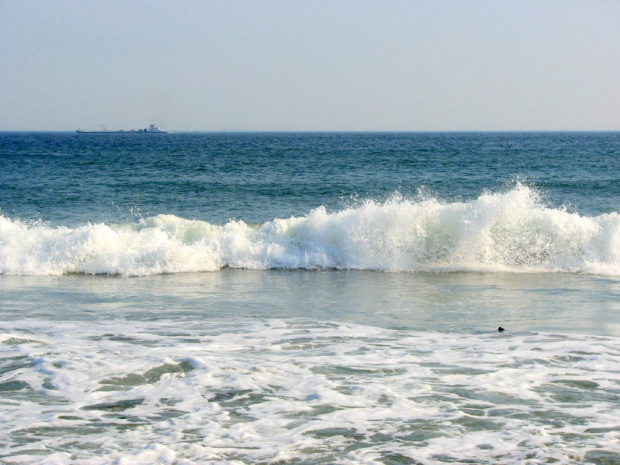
x,y
511,231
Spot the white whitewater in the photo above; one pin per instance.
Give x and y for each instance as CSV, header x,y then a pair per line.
x,y
512,231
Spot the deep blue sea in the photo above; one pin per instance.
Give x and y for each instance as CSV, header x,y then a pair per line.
x,y
310,298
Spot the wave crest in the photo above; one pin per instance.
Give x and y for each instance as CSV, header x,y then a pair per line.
x,y
511,231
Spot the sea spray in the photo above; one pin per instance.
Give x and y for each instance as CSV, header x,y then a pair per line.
x,y
509,231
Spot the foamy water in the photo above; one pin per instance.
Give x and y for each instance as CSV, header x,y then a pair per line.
x,y
511,231
299,391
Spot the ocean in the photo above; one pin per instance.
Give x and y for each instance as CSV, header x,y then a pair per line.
x,y
310,298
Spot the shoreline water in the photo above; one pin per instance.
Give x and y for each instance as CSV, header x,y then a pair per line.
x,y
447,302
238,391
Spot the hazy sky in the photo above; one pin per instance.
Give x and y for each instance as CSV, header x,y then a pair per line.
x,y
310,65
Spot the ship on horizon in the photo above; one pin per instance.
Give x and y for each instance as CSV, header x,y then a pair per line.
x,y
152,129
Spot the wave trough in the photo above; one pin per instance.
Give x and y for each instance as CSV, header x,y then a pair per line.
x,y
511,231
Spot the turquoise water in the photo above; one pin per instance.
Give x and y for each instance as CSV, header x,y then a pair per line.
x,y
310,298
71,179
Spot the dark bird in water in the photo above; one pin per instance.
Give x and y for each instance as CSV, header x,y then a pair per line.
x,y
500,329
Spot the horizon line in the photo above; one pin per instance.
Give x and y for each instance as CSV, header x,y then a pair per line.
x,y
319,131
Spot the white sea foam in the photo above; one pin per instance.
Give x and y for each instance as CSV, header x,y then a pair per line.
x,y
300,391
511,231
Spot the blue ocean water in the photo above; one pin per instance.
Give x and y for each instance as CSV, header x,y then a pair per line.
x,y
71,179
305,298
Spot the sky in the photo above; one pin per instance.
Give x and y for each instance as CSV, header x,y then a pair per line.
x,y
288,65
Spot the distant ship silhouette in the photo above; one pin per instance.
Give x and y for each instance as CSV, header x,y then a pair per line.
x,y
152,129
